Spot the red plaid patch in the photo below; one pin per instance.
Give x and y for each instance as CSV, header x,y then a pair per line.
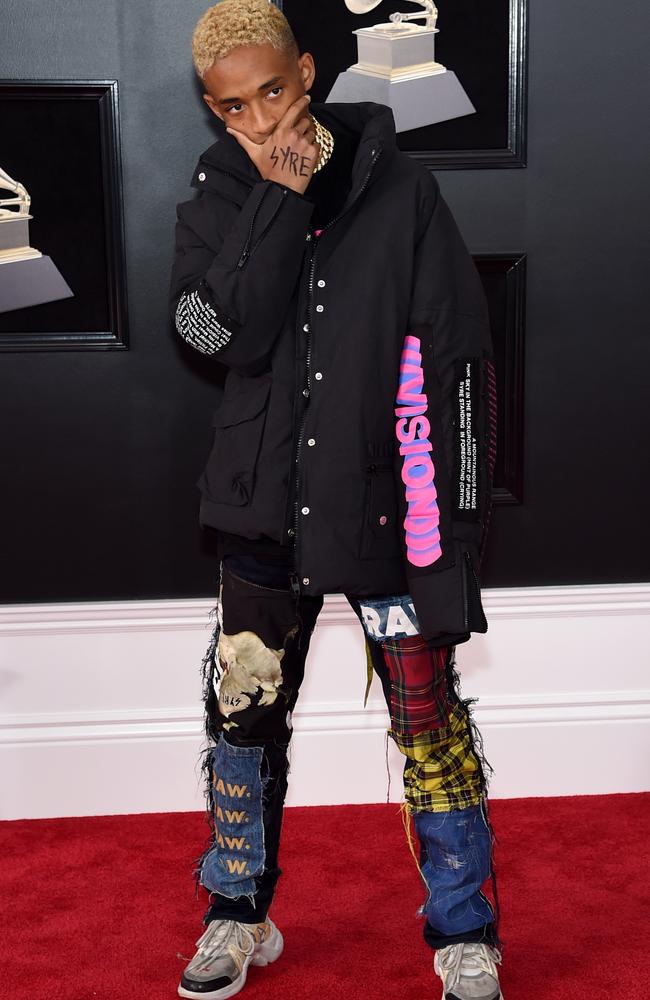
x,y
418,698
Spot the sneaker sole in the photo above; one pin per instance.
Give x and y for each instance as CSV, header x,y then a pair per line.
x,y
450,996
264,954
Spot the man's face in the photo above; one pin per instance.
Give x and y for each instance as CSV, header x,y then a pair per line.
x,y
252,87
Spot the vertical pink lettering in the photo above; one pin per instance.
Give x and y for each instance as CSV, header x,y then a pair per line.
x,y
421,524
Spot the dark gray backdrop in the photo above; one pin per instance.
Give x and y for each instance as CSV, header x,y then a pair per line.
x,y
100,450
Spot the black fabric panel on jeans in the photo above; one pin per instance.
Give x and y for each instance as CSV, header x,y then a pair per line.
x,y
252,607
255,570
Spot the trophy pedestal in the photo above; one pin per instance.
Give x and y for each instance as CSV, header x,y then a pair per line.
x,y
397,67
14,239
27,277
30,282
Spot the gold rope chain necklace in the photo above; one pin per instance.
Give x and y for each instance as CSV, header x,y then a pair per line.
x,y
325,141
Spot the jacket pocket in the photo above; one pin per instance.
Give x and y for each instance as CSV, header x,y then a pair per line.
x,y
474,615
380,537
229,475
247,249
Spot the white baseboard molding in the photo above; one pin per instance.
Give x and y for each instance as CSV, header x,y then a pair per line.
x,y
101,711
192,613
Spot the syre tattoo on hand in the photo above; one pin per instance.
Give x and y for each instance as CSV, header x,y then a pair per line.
x,y
290,160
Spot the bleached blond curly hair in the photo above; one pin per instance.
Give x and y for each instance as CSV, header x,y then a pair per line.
x,y
239,22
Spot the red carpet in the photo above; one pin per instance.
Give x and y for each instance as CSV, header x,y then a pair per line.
x,y
99,907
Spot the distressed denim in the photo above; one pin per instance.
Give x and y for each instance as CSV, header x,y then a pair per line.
x,y
236,802
455,850
259,652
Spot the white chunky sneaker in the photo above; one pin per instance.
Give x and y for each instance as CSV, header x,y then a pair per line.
x,y
225,950
468,971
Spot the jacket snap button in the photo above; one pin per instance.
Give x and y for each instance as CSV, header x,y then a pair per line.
x,y
383,519
306,327
319,309
305,580
321,283
318,376
201,176
305,510
311,442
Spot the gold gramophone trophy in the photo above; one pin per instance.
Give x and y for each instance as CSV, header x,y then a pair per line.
x,y
397,67
27,277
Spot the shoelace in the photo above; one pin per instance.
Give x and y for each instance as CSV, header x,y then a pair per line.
x,y
467,959
226,935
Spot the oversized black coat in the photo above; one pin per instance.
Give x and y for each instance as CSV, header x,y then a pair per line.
x,y
358,413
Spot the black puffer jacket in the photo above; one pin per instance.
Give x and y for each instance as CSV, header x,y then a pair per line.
x,y
359,414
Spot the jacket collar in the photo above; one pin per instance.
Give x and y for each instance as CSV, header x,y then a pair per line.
x,y
233,172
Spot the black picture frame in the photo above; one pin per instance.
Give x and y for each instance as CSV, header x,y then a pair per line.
x,y
77,207
504,280
485,44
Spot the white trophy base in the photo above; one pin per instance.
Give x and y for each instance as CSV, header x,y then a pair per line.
x,y
416,102
18,253
31,282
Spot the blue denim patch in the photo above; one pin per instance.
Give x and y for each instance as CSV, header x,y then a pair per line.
x,y
391,617
456,855
238,854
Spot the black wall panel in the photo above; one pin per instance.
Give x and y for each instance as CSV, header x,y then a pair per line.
x,y
100,450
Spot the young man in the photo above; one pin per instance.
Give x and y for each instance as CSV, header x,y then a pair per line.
x,y
353,453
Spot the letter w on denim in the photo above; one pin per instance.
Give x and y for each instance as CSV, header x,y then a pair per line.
x,y
237,855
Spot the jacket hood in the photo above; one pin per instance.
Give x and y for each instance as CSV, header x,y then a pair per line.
x,y
373,123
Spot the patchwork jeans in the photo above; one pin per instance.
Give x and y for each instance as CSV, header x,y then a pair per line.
x,y
252,676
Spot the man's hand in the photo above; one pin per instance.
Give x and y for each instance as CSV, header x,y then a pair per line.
x,y
290,153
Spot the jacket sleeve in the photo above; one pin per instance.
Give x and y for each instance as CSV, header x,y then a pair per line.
x,y
229,292
445,411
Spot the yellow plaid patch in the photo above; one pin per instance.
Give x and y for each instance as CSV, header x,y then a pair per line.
x,y
442,771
